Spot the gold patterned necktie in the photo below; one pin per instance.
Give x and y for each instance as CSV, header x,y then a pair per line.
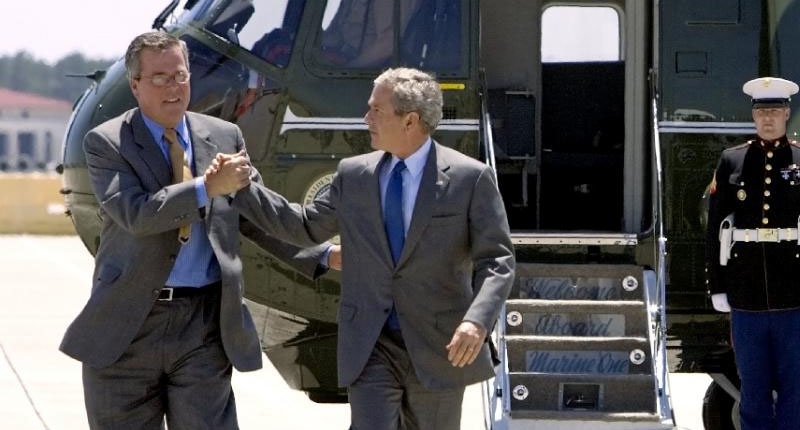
x,y
180,172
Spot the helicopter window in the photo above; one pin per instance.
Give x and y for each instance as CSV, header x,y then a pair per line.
x,y
373,34
590,34
216,82
268,31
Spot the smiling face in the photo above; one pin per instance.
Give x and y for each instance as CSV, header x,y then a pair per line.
x,y
166,104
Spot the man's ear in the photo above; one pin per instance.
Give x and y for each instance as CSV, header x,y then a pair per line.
x,y
411,119
134,84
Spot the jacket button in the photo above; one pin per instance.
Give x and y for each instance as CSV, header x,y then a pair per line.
x,y
172,258
386,311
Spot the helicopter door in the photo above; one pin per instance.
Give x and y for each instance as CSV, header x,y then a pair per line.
x,y
582,118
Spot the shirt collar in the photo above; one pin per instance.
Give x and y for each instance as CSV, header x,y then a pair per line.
x,y
415,162
157,130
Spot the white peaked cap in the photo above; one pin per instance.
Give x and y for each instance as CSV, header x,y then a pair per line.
x,y
769,91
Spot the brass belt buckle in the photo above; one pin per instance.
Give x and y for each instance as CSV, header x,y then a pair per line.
x,y
767,234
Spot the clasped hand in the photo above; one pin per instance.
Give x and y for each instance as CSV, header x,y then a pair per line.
x,y
227,174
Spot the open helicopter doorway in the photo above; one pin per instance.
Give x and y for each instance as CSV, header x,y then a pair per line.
x,y
558,115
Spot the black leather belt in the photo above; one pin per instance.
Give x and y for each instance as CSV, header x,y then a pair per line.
x,y
169,294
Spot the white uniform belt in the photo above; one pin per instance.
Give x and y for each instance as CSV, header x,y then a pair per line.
x,y
763,234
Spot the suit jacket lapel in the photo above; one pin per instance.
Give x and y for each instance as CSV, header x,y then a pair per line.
x,y
370,177
148,150
203,149
433,184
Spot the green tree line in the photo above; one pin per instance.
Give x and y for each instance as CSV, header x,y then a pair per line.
x,y
23,72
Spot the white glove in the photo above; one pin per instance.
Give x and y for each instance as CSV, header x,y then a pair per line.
x,y
720,302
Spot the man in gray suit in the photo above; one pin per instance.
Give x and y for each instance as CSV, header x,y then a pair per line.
x,y
418,299
165,320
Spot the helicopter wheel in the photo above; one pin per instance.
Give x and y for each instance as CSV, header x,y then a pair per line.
x,y
720,410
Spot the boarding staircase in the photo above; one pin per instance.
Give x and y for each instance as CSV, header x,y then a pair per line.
x,y
580,349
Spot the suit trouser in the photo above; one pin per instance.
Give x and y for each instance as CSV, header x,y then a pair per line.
x,y
388,396
175,368
767,351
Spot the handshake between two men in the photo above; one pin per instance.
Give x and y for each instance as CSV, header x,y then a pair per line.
x,y
227,174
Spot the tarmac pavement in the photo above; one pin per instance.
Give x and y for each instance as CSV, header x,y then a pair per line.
x,y
45,283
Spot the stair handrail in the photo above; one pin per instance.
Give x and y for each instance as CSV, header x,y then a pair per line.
x,y
658,211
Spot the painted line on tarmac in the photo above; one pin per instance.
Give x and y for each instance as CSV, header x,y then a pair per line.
x,y
24,388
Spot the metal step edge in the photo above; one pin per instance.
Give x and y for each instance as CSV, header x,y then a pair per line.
x,y
584,416
537,303
597,377
531,237
538,339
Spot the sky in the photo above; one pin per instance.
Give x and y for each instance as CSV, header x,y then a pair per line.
x,y
52,29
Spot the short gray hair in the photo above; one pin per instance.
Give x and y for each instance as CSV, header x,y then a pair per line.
x,y
151,40
414,91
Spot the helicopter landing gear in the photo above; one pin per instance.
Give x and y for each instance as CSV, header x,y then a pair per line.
x,y
720,410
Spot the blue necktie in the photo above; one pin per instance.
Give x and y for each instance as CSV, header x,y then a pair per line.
x,y
393,211
393,224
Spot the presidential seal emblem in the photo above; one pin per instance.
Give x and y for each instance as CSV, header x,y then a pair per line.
x,y
317,187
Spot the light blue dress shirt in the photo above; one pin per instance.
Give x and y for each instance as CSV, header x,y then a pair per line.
x,y
412,176
196,265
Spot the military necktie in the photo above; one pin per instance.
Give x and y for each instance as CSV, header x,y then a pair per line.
x,y
180,172
394,225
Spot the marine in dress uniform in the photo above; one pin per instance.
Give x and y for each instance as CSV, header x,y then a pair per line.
x,y
753,258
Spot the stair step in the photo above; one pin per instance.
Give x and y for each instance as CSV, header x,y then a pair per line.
x,y
551,395
579,355
576,318
595,282
624,418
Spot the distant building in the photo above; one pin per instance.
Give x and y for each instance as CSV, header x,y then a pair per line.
x,y
31,131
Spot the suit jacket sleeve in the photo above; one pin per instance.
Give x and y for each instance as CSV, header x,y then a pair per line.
x,y
303,226
718,209
127,191
306,259
492,252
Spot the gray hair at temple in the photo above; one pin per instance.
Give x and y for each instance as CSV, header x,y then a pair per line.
x,y
157,40
414,91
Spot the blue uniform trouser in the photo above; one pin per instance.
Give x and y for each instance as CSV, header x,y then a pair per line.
x,y
767,350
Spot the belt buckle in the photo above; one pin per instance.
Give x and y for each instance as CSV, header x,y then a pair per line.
x,y
169,297
767,234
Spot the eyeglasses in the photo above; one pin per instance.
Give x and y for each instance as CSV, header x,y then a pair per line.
x,y
162,80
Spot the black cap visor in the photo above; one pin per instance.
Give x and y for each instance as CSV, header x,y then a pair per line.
x,y
770,103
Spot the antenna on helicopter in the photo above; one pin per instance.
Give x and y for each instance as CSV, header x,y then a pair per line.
x,y
96,76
